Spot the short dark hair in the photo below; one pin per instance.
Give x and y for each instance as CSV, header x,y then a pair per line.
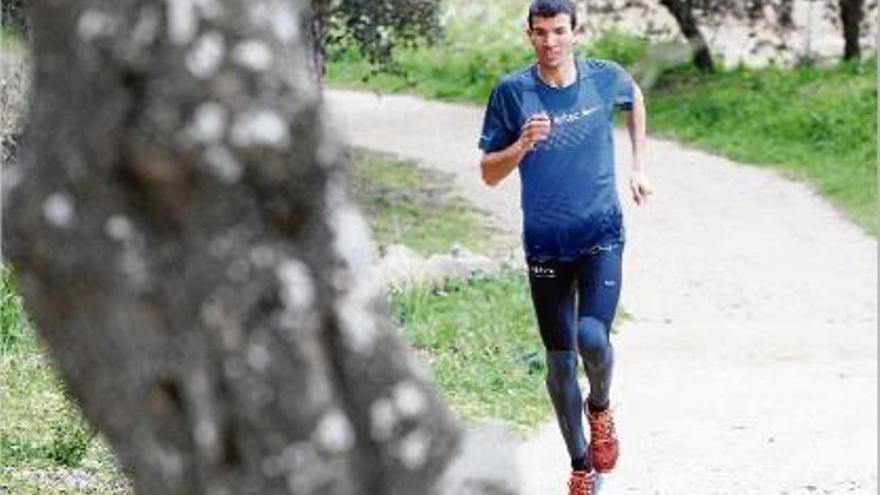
x,y
552,8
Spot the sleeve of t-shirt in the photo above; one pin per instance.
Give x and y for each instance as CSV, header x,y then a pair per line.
x,y
498,131
623,87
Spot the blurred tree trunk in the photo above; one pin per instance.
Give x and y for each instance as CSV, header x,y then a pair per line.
x,y
682,11
851,17
178,224
319,26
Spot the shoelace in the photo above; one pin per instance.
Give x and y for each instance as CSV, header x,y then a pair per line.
x,y
580,484
602,428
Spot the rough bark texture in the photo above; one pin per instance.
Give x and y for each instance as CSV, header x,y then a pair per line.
x,y
179,229
851,19
682,11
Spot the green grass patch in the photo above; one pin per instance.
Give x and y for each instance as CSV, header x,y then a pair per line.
x,y
406,204
481,344
45,446
12,36
15,329
813,124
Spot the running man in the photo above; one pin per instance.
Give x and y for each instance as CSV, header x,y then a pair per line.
x,y
553,121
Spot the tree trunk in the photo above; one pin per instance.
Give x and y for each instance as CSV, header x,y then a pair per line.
x,y
682,11
851,17
784,13
179,228
319,26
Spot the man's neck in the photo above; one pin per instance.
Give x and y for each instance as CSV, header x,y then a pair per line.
x,y
560,76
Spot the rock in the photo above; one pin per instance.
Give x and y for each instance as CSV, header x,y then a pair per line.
x,y
400,266
440,267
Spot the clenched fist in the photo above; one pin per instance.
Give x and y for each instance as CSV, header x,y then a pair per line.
x,y
535,130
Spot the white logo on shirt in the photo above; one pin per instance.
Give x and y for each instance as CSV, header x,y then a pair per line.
x,y
568,118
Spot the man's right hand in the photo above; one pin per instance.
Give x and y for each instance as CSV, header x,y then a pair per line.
x,y
497,165
535,130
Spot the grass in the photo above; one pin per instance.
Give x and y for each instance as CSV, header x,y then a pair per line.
x,y
409,205
817,125
481,345
813,124
45,446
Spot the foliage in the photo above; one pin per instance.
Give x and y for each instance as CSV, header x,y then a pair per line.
x,y
374,28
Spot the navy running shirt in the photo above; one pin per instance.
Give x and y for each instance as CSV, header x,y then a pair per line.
x,y
569,193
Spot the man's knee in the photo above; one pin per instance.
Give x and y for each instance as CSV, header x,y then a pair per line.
x,y
561,367
592,337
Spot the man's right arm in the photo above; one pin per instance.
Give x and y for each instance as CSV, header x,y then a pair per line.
x,y
497,165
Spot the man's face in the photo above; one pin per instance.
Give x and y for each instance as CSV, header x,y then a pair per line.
x,y
552,39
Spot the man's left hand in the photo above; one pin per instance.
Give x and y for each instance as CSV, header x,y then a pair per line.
x,y
640,187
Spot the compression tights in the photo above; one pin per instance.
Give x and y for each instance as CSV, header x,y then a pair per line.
x,y
575,304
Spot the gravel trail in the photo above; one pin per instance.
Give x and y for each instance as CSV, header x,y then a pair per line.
x,y
750,363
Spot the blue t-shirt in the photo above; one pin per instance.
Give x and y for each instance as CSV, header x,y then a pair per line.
x,y
569,194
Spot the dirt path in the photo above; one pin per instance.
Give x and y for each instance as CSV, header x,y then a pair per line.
x,y
750,363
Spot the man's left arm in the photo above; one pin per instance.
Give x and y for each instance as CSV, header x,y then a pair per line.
x,y
635,120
